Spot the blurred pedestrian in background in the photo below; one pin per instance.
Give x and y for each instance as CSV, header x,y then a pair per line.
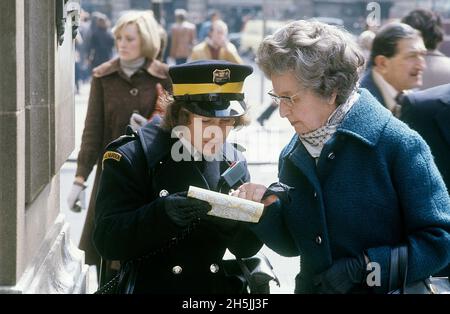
x,y
183,37
205,27
78,62
429,24
82,66
101,41
365,40
217,46
267,113
164,41
130,83
361,181
397,62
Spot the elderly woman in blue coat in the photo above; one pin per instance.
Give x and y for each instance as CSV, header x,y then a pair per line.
x,y
362,181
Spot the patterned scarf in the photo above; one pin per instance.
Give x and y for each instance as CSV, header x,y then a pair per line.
x,y
315,140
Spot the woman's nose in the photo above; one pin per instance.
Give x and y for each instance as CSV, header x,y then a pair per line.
x,y
284,110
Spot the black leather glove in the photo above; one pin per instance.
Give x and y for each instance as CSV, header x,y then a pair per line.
x,y
342,276
182,210
280,190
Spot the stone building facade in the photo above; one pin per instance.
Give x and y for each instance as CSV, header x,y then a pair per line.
x,y
37,136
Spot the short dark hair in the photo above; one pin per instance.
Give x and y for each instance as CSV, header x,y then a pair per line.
x,y
429,24
385,42
212,13
177,114
180,15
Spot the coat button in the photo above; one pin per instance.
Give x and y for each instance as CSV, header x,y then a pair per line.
x,y
319,240
134,92
177,270
163,193
315,195
214,268
331,156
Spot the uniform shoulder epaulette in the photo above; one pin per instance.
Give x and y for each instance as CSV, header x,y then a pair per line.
x,y
129,136
110,151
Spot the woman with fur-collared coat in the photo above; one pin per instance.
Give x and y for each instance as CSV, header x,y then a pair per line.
x,y
120,87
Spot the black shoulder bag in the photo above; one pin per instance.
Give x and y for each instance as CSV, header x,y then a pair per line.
x,y
399,271
124,282
253,273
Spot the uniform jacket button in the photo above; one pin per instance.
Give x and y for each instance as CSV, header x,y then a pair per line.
x,y
177,270
134,92
319,240
163,193
315,195
331,156
214,268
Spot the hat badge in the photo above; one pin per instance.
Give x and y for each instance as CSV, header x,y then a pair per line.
x,y
221,77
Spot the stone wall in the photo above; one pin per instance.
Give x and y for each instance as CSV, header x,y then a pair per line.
x,y
36,136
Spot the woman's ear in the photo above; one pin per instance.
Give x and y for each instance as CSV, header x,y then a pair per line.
x,y
185,117
332,99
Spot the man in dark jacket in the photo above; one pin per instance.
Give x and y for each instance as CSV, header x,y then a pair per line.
x,y
428,112
142,210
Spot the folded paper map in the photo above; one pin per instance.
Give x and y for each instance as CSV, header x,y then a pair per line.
x,y
227,206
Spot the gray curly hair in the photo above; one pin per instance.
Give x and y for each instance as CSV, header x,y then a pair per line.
x,y
323,58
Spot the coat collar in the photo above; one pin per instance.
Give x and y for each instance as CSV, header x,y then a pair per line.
x,y
356,123
366,120
153,67
445,96
155,142
368,82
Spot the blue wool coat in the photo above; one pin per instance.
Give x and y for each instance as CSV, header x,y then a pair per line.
x,y
375,186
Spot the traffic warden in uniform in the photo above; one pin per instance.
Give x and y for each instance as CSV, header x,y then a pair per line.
x,y
142,207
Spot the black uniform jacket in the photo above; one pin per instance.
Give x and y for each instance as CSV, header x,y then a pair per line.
x,y
130,221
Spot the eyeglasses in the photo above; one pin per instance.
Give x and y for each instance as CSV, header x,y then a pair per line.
x,y
288,100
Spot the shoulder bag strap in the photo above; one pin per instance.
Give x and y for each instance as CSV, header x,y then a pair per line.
x,y
403,266
398,268
246,272
393,270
